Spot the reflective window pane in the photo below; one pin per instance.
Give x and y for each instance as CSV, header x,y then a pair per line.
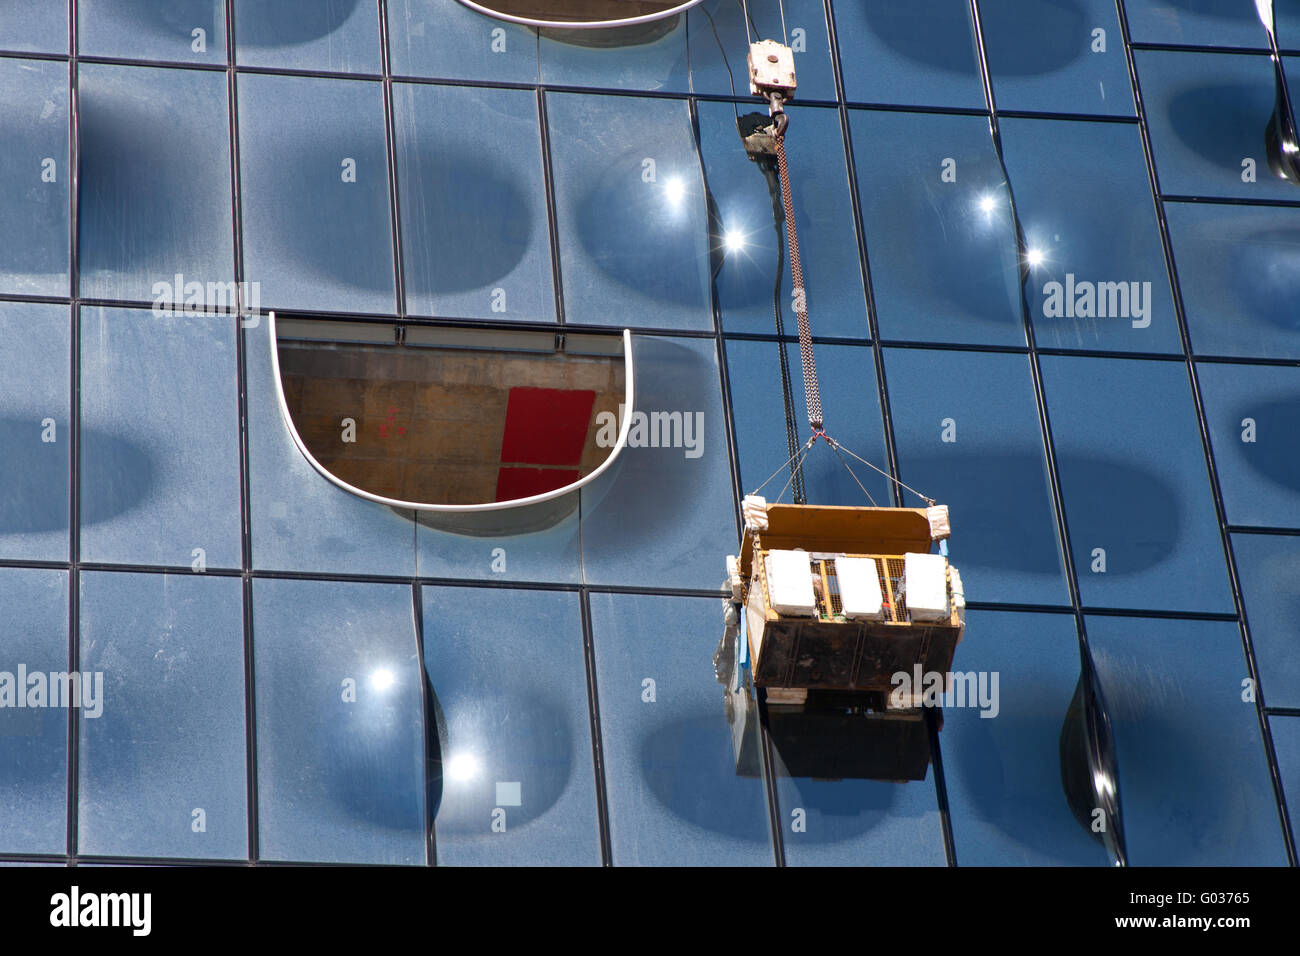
x,y
161,235
745,238
314,180
1002,761
341,36
34,741
630,202
847,379
548,555
940,238
675,798
1239,269
170,652
859,822
967,434
1286,742
34,421
1062,56
34,27
713,53
1194,779
517,776
177,30
300,521
475,241
914,54
154,488
1207,114
34,163
446,39
1085,203
1136,488
1223,23
340,739
664,516
1253,413
648,56
1269,568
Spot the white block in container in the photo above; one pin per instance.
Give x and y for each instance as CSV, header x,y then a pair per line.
x,y
859,581
925,584
789,583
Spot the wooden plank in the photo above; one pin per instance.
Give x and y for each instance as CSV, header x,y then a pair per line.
x,y
839,529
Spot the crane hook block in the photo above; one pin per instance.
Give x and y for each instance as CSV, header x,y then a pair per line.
x,y
771,69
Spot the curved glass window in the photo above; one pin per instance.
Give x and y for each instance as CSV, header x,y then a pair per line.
x,y
580,13
476,432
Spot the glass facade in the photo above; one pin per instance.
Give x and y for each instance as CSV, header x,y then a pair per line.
x,y
1053,283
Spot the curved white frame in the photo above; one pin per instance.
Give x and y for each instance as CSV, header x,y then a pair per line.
x,y
628,399
580,24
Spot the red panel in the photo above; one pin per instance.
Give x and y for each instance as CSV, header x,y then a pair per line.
x,y
546,426
515,483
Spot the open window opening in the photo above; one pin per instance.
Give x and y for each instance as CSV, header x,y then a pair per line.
x,y
478,431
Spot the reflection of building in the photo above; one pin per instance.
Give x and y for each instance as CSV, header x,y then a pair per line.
x,y
166,521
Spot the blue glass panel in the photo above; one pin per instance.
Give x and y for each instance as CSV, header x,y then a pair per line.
x,y
1239,269
1050,56
1207,114
514,730
675,798
1269,569
940,238
341,36
1253,413
805,32
1286,743
859,822
37,27
745,244
967,434
33,742
473,207
162,765
914,54
550,555
34,162
649,56
445,38
665,516
1002,763
300,521
340,736
147,229
1194,778
851,403
634,241
180,30
156,489
314,179
1135,485
1225,23
34,422
1084,200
